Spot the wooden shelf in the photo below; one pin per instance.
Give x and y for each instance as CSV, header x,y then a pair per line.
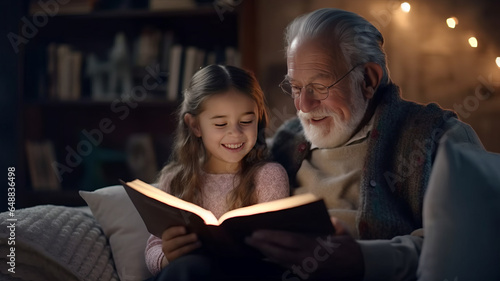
x,y
205,10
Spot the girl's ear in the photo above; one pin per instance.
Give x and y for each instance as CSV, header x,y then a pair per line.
x,y
193,124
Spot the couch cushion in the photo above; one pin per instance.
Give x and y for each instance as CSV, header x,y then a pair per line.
x,y
462,216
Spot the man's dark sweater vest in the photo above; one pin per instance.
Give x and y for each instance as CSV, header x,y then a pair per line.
x,y
401,151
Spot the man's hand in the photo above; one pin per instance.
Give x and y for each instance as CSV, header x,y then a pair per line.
x,y
334,257
175,242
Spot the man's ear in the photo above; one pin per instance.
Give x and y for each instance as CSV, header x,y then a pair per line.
x,y
193,124
372,76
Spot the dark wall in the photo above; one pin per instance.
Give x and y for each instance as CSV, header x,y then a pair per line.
x,y
10,15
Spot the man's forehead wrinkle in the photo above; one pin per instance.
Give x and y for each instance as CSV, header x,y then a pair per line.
x,y
320,69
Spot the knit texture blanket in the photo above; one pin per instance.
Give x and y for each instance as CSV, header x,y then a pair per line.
x,y
53,243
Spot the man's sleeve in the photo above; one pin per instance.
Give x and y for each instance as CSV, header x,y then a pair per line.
x,y
457,131
395,259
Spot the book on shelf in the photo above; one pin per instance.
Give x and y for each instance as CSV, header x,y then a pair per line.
x,y
75,69
174,72
193,61
166,45
52,70
64,67
232,56
188,66
64,76
159,210
200,61
211,58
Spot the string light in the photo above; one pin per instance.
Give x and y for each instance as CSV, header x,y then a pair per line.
x,y
452,22
473,42
405,7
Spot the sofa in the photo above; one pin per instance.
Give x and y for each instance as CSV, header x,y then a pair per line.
x,y
106,240
103,241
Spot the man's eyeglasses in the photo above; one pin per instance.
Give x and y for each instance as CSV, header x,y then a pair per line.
x,y
316,90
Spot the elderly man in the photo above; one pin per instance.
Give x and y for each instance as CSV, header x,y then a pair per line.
x,y
359,146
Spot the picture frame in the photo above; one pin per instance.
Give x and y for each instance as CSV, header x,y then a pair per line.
x,y
40,156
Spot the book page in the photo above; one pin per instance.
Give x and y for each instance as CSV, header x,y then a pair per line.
x,y
270,206
171,200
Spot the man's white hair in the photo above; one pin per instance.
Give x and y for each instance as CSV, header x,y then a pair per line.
x,y
342,31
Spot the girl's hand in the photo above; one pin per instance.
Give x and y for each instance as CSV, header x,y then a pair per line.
x,y
176,243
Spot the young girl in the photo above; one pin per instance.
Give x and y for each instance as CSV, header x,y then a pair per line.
x,y
219,157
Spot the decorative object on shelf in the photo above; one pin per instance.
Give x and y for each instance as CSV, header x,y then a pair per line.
x,y
141,158
103,167
147,47
115,73
40,158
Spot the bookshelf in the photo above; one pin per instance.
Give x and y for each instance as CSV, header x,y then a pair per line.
x,y
90,134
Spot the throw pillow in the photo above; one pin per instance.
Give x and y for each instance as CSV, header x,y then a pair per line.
x,y
124,228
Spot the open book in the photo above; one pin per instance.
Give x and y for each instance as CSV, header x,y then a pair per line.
x,y
159,210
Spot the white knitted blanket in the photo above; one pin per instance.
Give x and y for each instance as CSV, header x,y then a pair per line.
x,y
54,243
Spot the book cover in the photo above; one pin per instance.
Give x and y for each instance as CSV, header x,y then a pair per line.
x,y
225,236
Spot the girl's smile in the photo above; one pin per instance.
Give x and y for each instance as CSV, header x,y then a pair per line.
x,y
230,146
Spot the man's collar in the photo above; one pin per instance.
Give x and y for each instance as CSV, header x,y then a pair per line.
x,y
363,133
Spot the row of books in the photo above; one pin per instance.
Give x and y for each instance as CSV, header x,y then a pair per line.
x,y
67,67
186,60
179,61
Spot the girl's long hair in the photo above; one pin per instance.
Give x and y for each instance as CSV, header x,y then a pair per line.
x,y
184,171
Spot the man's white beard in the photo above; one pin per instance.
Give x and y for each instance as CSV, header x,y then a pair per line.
x,y
339,132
